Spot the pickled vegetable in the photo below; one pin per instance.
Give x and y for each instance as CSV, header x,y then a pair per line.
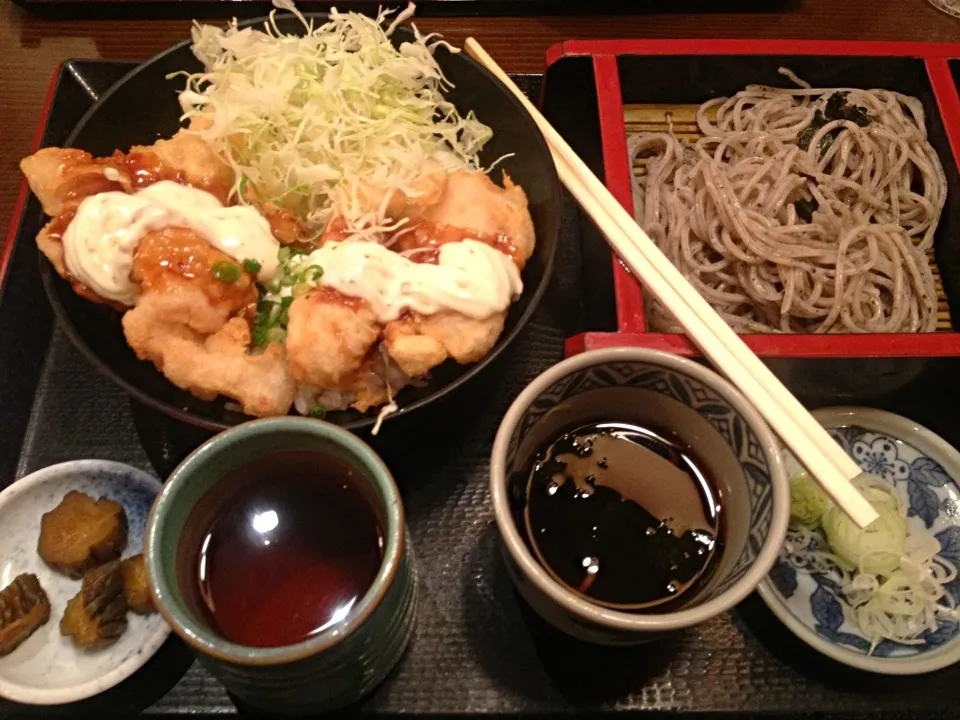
x,y
24,607
81,533
136,585
97,615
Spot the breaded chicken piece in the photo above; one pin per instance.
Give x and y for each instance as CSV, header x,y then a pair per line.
x,y
472,201
397,204
414,352
62,178
285,226
194,327
328,337
418,343
186,338
461,205
48,241
197,162
176,256
370,396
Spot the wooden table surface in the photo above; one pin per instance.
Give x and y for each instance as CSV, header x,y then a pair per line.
x,y
31,48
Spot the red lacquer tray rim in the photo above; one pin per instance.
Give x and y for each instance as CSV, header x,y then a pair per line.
x,y
746,46
6,252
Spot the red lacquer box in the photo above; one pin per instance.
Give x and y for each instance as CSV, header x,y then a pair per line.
x,y
625,74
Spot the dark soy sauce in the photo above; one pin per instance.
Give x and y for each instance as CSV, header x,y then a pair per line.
x,y
622,515
290,552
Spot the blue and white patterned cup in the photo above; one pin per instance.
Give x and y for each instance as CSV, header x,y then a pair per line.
x,y
650,387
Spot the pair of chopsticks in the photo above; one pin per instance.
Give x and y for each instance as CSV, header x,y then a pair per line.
x,y
807,439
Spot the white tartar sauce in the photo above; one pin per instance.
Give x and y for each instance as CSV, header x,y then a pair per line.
x,y
100,241
470,278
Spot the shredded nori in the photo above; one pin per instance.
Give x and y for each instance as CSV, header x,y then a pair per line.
x,y
806,208
837,108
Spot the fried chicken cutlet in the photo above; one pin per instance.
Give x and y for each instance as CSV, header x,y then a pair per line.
x,y
196,328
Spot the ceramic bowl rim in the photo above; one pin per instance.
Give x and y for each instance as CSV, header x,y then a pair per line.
x,y
60,696
605,617
209,644
931,444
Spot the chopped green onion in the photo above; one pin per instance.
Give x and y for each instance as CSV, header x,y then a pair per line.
x,y
288,252
262,322
299,187
244,182
251,265
276,334
284,314
311,274
270,321
318,411
225,272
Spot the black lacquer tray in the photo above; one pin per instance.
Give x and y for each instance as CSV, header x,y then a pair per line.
x,y
477,649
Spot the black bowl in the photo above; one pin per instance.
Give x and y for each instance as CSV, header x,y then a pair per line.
x,y
143,107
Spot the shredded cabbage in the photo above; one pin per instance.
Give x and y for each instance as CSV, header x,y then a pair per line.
x,y
892,578
333,122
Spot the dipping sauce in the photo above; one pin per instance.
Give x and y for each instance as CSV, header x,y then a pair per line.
x,y
622,515
291,551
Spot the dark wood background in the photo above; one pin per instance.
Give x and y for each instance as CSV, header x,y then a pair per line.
x,y
31,48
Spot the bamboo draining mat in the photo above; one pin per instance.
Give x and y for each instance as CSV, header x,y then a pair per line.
x,y
658,118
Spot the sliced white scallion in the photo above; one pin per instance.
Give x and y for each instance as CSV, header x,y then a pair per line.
x,y
892,577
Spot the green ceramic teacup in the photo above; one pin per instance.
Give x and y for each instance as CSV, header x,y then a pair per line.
x,y
337,666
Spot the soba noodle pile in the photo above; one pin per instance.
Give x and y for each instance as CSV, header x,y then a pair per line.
x,y
801,210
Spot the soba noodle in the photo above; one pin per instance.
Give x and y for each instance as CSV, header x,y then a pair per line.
x,y
786,220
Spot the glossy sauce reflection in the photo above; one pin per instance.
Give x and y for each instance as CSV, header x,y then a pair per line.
x,y
423,243
291,553
622,515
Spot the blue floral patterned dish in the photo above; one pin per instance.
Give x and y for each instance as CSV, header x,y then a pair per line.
x,y
47,669
924,470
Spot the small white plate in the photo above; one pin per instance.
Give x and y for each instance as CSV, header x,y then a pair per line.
x,y
47,669
924,471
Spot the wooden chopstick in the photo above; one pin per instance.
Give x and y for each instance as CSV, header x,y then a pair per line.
x,y
805,437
